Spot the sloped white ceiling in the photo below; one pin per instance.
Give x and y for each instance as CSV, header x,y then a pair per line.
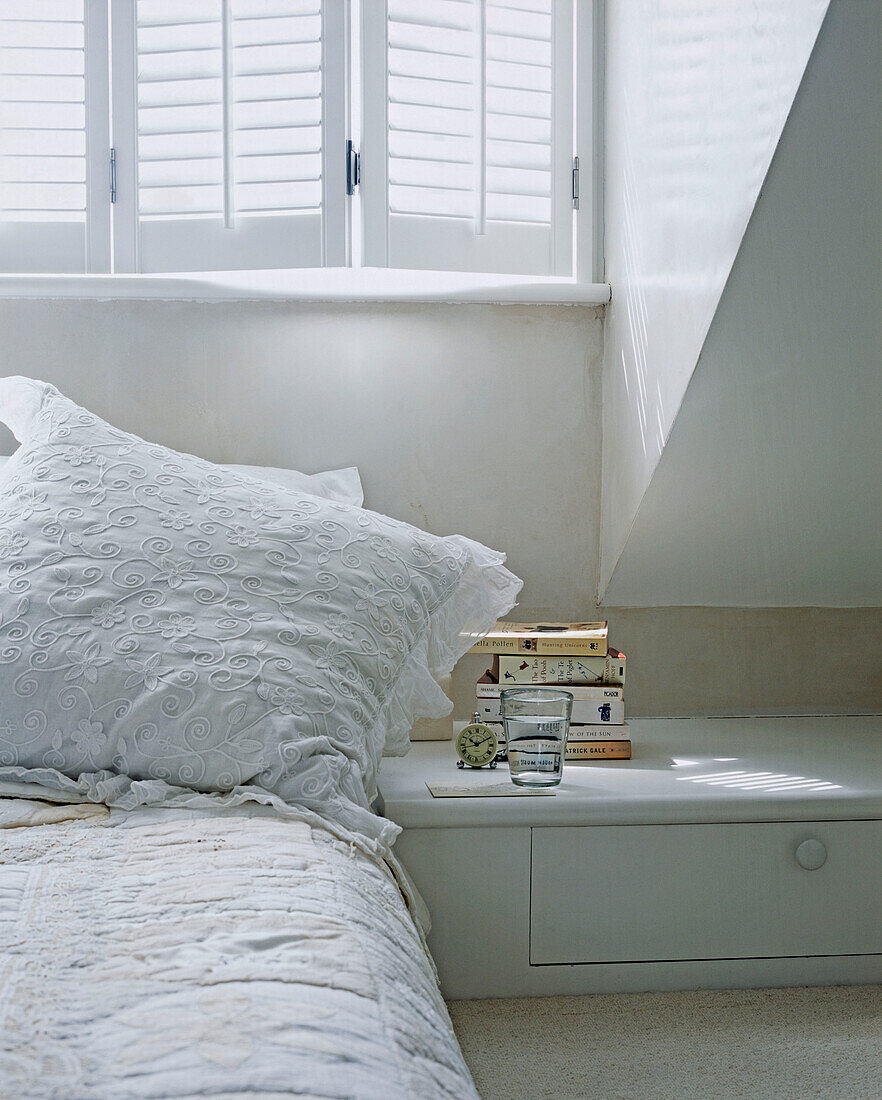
x,y
697,94
769,492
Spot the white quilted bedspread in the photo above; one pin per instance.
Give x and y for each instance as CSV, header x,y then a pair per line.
x,y
173,953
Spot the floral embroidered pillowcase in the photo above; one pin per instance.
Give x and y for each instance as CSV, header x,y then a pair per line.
x,y
171,628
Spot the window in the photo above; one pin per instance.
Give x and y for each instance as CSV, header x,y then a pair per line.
x,y
217,135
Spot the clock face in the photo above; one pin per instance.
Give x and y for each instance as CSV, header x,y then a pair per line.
x,y
476,745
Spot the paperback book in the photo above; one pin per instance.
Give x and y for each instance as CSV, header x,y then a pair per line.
x,y
510,671
545,639
598,750
606,712
595,731
489,688
578,734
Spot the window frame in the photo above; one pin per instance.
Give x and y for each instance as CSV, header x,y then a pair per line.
x,y
590,84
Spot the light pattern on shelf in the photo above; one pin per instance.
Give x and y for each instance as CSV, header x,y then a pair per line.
x,y
768,782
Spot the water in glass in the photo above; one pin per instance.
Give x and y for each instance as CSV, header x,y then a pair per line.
x,y
536,725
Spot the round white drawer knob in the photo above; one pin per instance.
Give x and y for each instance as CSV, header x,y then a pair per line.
x,y
811,855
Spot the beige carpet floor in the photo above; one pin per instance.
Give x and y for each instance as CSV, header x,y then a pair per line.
x,y
780,1044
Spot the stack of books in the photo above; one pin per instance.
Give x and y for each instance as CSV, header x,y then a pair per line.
x,y
574,656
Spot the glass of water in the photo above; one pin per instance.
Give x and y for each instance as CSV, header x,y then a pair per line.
x,y
537,721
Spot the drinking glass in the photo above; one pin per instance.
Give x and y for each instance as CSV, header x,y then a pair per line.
x,y
536,721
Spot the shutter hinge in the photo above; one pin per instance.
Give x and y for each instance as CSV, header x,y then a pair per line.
x,y
353,168
113,175
575,183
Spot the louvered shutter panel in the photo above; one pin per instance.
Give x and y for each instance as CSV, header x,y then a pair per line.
x,y
53,66
469,119
229,134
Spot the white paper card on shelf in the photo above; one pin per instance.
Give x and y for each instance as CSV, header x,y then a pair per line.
x,y
485,790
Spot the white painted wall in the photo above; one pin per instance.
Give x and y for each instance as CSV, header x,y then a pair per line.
x,y
477,419
769,492
697,95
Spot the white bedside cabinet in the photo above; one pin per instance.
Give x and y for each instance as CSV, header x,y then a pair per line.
x,y
728,852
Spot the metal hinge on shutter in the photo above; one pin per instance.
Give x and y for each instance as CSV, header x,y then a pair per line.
x,y
353,168
575,183
113,175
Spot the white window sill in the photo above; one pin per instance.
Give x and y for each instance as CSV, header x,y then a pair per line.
x,y
339,284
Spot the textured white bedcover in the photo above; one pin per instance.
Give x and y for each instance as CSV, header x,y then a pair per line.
x,y
175,953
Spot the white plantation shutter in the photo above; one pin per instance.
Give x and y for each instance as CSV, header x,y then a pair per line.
x,y
54,208
468,135
229,135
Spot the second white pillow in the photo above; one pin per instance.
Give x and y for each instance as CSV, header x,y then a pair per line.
x,y
341,485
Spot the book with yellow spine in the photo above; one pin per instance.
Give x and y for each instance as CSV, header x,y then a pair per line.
x,y
545,639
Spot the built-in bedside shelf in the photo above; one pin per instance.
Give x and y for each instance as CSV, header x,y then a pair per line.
x,y
726,852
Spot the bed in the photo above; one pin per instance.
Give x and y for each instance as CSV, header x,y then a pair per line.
x,y
214,954
199,672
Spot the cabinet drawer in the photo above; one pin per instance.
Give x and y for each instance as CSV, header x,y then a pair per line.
x,y
666,892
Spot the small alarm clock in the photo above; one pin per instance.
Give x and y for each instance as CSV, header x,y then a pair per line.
x,y
476,745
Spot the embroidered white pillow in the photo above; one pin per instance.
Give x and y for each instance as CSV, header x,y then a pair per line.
x,y
168,624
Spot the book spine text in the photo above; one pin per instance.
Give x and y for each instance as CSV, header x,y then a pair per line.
x,y
598,750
